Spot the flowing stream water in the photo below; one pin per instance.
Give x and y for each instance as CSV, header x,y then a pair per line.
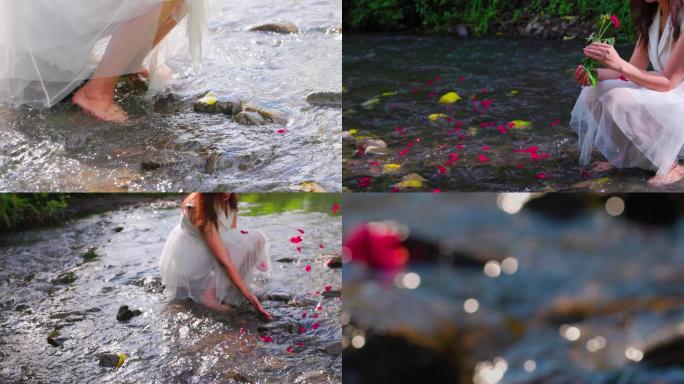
x,y
166,146
499,80
177,342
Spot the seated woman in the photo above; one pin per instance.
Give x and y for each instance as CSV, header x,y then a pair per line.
x,y
49,47
635,117
208,260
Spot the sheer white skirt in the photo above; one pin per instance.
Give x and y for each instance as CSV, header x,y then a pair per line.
x,y
630,125
48,47
189,269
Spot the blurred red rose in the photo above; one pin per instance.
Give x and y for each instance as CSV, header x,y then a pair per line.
x,y
377,245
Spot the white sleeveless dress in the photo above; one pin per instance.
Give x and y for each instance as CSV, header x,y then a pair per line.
x,y
48,47
188,268
631,125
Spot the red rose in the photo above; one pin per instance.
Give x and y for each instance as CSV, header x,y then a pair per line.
x,y
377,247
616,22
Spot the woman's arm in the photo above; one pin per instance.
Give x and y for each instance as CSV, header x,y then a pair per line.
x,y
665,81
218,249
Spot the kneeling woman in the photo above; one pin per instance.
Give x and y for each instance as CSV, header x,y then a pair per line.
x,y
635,117
207,259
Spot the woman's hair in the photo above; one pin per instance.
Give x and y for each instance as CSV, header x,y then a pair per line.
x,y
205,208
644,13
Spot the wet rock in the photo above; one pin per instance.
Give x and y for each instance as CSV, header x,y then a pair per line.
x,y
213,103
90,255
311,187
250,118
331,294
666,354
149,165
112,360
212,162
302,302
56,339
278,297
257,116
285,28
334,30
287,260
335,262
325,99
334,348
65,278
126,314
367,147
118,229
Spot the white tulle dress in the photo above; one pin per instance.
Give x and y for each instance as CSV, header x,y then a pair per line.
x,y
189,269
48,47
630,125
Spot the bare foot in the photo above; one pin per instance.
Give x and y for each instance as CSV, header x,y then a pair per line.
x,y
601,166
103,108
674,175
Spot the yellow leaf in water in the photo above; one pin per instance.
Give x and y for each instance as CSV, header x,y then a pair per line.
x,y
208,99
520,124
472,131
391,167
436,116
513,92
353,131
449,98
412,180
388,94
122,359
370,103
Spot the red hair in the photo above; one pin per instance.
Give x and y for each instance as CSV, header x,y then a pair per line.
x,y
205,208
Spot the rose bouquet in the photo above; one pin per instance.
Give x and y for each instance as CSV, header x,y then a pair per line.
x,y
589,65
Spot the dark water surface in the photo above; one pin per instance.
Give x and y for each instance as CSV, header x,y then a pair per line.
x,y
166,145
170,342
587,300
523,79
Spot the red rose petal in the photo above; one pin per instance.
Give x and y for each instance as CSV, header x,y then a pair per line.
x,y
328,287
281,131
441,169
300,230
244,232
315,326
335,208
482,158
289,350
308,268
296,240
267,339
301,330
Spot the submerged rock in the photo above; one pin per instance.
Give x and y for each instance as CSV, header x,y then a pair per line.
x,y
286,28
56,339
256,116
335,262
334,348
90,254
112,360
118,229
331,294
286,260
325,99
126,314
366,147
65,278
